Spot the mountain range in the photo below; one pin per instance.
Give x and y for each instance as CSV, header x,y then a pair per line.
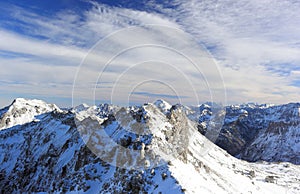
x,y
152,148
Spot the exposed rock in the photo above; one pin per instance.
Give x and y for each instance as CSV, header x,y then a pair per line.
x,y
258,132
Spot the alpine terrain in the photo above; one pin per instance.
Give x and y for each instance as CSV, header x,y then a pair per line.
x,y
152,148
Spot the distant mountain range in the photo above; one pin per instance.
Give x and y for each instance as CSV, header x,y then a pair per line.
x,y
259,132
153,148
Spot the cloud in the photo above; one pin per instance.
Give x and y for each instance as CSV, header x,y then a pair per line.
x,y
12,42
255,43
40,53
156,53
158,95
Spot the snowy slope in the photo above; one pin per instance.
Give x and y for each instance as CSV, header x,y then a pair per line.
x,y
78,151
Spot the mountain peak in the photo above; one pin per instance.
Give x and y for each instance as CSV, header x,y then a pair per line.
x,y
163,105
22,111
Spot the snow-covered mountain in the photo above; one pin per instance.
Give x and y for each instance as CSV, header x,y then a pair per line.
x,y
23,111
259,132
154,148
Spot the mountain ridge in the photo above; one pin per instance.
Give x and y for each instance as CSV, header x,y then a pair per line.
x,y
49,153
247,130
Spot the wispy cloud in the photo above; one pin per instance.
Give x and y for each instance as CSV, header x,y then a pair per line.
x,y
16,43
158,95
40,53
256,44
250,39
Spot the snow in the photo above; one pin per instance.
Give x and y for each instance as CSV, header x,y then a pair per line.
x,y
81,107
199,167
163,105
23,111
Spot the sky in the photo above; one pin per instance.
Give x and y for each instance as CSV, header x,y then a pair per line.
x,y
128,52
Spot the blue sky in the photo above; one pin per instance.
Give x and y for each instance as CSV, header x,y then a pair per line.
x,y
256,46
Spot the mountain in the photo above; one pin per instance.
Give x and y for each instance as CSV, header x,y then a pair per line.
x,y
258,132
23,111
154,148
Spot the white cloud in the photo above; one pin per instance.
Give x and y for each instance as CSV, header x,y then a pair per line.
x,y
153,52
245,37
19,44
48,64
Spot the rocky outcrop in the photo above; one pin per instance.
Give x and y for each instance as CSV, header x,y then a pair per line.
x,y
259,132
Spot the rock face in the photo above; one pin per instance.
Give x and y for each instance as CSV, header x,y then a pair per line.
x,y
110,149
259,132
